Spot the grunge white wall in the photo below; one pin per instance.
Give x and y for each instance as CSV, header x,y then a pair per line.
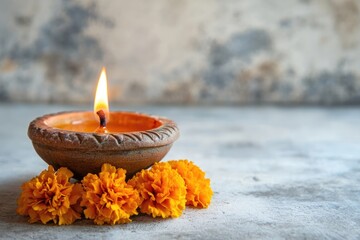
x,y
181,51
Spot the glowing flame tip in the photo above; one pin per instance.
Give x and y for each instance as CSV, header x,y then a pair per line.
x,y
101,96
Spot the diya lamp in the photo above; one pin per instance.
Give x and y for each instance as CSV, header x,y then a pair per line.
x,y
84,141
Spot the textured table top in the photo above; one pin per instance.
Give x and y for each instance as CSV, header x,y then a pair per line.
x,y
275,172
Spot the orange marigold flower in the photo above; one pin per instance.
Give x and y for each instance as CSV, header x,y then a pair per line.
x,y
50,196
198,188
162,190
108,198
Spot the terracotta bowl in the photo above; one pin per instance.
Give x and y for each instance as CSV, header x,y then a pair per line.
x,y
137,142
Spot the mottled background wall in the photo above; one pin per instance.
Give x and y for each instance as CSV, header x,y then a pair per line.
x,y
181,51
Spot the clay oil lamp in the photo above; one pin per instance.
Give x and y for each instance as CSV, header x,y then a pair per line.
x,y
83,141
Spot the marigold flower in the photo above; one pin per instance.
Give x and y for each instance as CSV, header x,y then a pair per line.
x,y
162,190
198,190
50,196
108,198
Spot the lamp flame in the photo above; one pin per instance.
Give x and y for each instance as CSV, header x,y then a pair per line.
x,y
101,96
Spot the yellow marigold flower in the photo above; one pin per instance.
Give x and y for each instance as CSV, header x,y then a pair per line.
x,y
50,196
162,190
108,198
198,188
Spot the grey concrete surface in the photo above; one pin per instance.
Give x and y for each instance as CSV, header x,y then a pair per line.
x,y
181,51
277,173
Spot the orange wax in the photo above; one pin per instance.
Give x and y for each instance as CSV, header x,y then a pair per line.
x,y
119,122
91,126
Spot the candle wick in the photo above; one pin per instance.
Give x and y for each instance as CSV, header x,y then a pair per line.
x,y
102,118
